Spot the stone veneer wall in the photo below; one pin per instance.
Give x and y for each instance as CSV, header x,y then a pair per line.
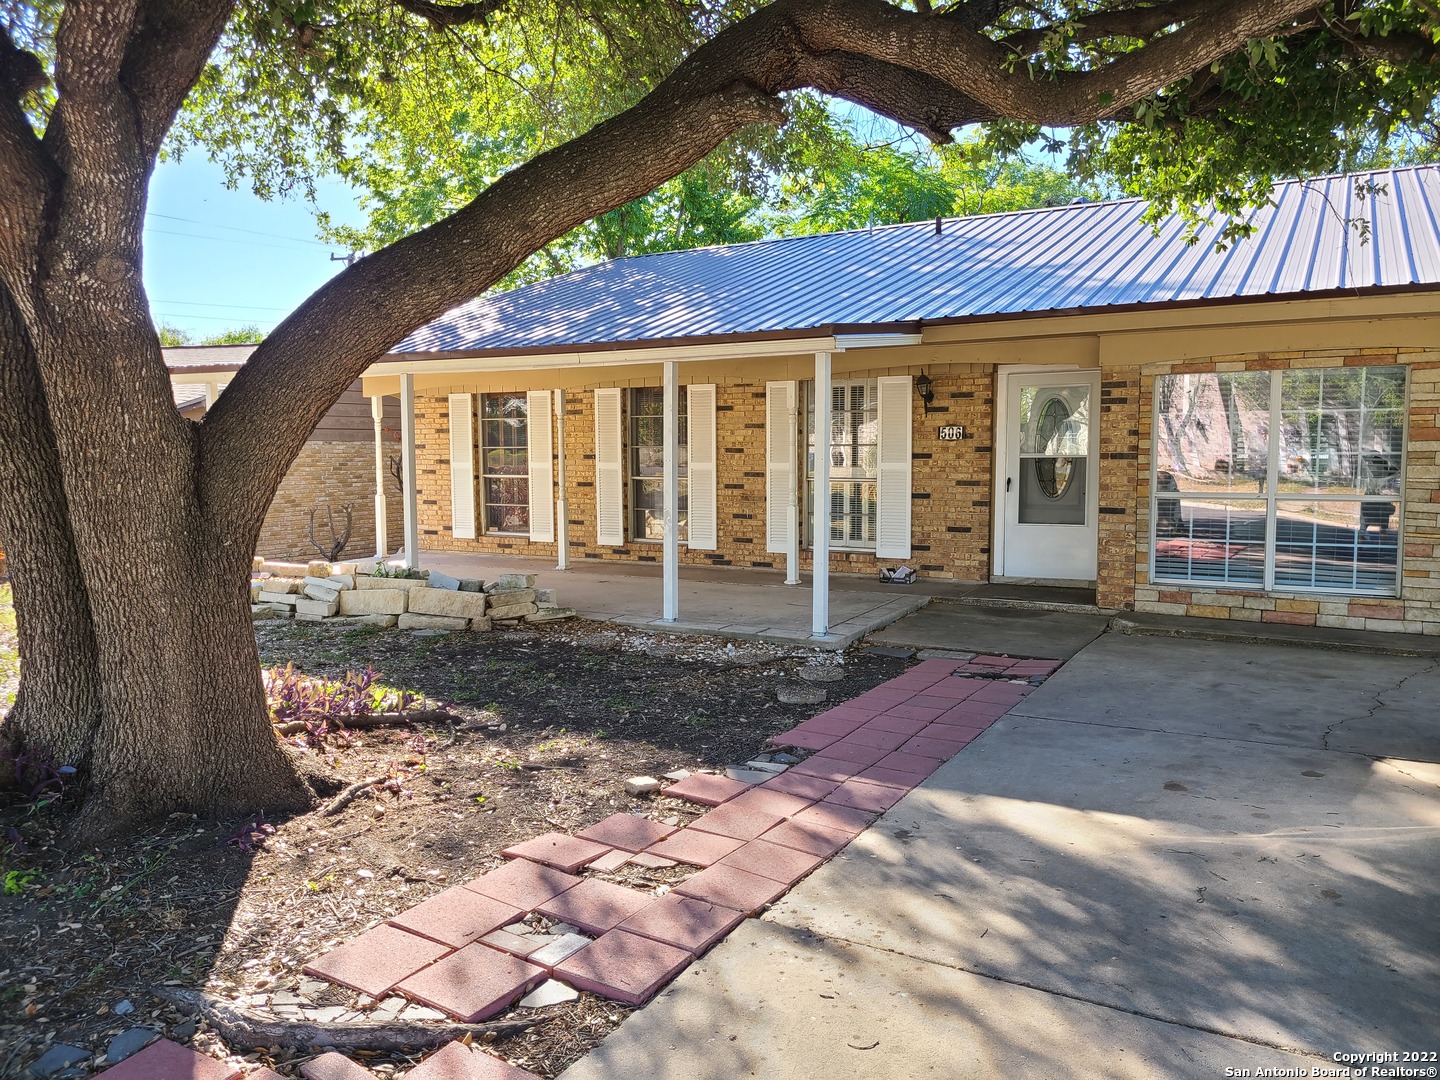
x,y
1124,568
950,482
329,473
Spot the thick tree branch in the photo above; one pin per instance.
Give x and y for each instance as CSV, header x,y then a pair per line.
x,y
442,16
26,172
171,42
866,50
1133,22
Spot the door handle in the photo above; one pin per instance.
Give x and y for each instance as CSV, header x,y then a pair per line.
x,y
1007,483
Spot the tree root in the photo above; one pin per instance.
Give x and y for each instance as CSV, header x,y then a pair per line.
x,y
349,795
383,719
246,1029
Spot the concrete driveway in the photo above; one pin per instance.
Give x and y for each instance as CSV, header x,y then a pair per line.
x,y
1176,857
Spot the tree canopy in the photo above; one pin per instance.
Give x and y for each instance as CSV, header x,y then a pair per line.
x,y
129,529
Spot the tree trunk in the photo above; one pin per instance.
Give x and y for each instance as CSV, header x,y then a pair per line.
x,y
181,723
58,705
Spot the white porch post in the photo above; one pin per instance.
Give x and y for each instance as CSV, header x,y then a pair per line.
x,y
382,521
562,500
212,391
820,579
792,512
671,603
407,457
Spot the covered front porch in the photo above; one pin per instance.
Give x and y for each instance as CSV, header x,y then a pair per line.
x,y
724,602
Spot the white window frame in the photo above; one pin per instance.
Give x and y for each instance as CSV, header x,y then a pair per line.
x,y
483,473
807,418
1272,500
633,478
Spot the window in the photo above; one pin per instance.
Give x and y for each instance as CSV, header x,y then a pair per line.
x,y
647,464
505,463
854,458
1288,480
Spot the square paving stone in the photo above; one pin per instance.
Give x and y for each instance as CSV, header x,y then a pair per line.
x,y
595,906
890,722
944,749
808,837
916,712
376,960
800,785
841,818
804,740
166,1060
776,802
557,849
732,888
972,710
1001,693
863,795
706,789
474,983
333,1066
825,724
777,862
883,740
522,884
743,823
628,832
456,1061
893,777
685,922
909,763
964,736
845,750
851,711
828,768
953,690
624,967
456,917
695,848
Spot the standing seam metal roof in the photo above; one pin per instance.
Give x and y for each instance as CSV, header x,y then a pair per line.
x,y
1082,257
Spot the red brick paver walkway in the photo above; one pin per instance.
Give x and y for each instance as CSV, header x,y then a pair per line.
x,y
755,844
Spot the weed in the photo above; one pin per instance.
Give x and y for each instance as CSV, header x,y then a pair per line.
x,y
17,881
251,835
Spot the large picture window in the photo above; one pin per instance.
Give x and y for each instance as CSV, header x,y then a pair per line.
x,y
1287,481
647,464
505,463
854,463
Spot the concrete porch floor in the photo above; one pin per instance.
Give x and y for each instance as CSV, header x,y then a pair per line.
x,y
727,602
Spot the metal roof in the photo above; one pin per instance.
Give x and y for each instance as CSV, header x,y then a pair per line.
x,y
206,359
1363,231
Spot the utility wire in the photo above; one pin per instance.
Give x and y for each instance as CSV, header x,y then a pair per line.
x,y
235,228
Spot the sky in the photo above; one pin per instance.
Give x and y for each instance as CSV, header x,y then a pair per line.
x,y
216,259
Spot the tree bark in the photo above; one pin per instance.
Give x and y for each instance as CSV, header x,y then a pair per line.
x,y
58,704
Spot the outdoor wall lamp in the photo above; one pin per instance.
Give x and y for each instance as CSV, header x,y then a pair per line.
x,y
926,389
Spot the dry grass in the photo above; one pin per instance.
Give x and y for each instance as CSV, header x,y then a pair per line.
x,y
9,652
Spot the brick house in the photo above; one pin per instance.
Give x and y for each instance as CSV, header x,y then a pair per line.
x,y
1051,396
336,468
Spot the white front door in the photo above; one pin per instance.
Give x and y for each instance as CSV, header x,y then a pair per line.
x,y
1047,476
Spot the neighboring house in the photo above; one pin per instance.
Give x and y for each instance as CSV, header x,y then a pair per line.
x,y
1056,395
336,468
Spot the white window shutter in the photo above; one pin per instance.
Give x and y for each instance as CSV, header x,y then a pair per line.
x,y
781,437
462,466
892,494
704,531
540,428
609,470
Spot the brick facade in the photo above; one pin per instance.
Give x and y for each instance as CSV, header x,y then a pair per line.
x,y
950,481
329,474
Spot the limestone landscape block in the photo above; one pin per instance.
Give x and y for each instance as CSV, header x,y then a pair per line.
x,y
513,611
372,602
507,597
459,605
410,621
369,581
320,609
266,596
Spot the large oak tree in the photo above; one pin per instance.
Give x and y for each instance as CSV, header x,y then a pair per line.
x,y
129,529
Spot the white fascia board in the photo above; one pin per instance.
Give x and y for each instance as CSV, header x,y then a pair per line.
x,y
874,341
396,364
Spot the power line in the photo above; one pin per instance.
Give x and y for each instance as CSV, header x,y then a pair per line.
x,y
235,228
237,307
227,239
208,318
